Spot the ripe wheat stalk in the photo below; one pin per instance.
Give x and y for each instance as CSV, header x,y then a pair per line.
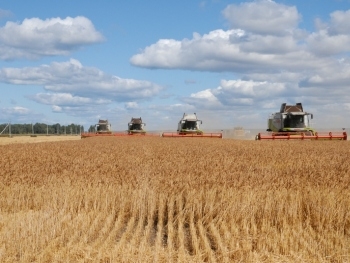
x,y
175,200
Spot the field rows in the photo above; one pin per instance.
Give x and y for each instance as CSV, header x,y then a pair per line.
x,y
175,200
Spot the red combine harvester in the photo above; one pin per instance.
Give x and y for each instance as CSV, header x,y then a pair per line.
x,y
292,123
188,127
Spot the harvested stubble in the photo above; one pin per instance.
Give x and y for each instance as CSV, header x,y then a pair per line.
x,y
175,200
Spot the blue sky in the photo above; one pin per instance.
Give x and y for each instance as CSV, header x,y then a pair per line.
x,y
231,62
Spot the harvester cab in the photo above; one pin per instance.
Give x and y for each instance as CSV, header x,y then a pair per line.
x,y
103,127
136,126
292,122
189,126
291,118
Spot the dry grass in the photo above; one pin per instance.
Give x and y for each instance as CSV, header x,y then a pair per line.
x,y
38,138
175,200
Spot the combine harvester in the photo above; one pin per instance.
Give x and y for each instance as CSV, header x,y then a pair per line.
x,y
135,127
292,123
189,127
103,128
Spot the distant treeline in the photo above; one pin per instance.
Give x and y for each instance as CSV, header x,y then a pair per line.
x,y
92,128
41,128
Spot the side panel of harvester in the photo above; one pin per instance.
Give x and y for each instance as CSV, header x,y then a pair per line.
x,y
292,122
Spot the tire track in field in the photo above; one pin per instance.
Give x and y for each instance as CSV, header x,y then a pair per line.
x,y
170,228
138,232
104,232
195,248
114,233
206,246
180,229
126,234
92,228
217,243
148,226
160,227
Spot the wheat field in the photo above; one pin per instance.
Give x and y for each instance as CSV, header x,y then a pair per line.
x,y
36,138
142,199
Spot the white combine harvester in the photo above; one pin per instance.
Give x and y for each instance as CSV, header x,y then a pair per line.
x,y
189,126
292,122
103,127
136,126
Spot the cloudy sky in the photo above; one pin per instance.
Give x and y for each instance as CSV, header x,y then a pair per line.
x,y
231,62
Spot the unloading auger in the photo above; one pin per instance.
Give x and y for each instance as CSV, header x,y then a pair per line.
x,y
293,123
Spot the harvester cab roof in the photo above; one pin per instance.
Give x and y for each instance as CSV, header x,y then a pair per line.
x,y
292,110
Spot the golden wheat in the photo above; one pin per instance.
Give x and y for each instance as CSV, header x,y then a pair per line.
x,y
175,200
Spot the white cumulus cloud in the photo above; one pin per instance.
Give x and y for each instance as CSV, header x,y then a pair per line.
x,y
333,37
82,82
264,37
16,113
34,37
131,105
66,99
263,17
